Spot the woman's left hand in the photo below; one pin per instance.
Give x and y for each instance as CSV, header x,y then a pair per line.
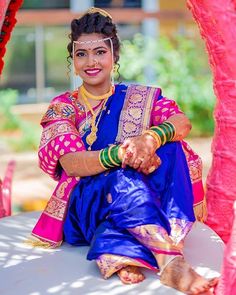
x,y
139,151
154,163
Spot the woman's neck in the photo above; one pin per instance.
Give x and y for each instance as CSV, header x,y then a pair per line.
x,y
97,89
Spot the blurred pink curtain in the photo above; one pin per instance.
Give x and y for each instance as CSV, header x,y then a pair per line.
x,y
227,283
217,23
5,190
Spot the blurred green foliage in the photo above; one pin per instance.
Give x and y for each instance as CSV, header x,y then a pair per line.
x,y
180,68
18,134
8,120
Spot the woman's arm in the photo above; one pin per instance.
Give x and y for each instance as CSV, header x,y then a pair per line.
x,y
182,126
84,163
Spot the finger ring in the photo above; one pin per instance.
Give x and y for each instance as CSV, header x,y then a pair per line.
x,y
151,169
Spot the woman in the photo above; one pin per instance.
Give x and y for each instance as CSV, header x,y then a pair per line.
x,y
117,154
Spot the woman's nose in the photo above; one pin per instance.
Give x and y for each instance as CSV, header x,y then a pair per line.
x,y
92,61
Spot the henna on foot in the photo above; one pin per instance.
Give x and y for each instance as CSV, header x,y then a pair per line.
x,y
130,275
180,275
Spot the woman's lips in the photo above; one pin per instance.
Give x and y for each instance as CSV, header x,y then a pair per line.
x,y
92,72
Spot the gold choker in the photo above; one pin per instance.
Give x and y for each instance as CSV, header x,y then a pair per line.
x,y
87,94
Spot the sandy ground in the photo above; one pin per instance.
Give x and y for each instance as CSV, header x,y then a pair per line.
x,y
31,187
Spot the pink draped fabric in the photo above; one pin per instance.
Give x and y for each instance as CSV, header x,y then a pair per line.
x,y
217,24
227,283
59,137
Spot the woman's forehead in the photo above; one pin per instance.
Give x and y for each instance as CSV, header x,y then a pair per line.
x,y
90,41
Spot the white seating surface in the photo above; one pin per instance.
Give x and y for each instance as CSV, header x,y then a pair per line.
x,y
25,270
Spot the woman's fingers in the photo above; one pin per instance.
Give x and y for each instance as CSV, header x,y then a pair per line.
x,y
138,153
152,165
126,143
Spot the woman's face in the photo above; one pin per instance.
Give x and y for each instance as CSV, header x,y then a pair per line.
x,y
93,60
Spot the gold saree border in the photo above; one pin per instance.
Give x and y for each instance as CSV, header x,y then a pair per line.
x,y
136,112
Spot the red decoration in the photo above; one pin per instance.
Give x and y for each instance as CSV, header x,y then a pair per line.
x,y
7,22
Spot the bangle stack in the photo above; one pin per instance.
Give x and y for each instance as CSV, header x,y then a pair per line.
x,y
162,133
108,157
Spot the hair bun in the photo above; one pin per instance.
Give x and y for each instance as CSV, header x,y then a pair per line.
x,y
93,10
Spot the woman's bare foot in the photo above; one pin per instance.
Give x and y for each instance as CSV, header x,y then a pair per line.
x,y
178,274
130,275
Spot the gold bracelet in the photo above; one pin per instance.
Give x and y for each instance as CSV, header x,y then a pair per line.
x,y
155,136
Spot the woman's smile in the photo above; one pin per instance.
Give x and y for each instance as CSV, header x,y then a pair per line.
x,y
93,72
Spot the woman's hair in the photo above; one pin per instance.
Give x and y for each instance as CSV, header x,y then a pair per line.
x,y
95,23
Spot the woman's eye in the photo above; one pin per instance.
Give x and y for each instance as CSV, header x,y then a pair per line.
x,y
80,54
101,52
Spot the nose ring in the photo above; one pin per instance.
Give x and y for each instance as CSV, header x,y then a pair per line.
x,y
95,61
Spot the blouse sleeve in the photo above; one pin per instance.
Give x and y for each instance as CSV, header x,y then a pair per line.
x,y
59,137
163,108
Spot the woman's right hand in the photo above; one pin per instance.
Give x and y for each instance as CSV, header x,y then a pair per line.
x,y
154,163
139,151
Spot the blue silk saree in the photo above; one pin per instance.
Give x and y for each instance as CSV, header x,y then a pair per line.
x,y
103,209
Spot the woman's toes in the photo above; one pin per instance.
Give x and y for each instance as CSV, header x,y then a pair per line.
x,y
213,282
130,275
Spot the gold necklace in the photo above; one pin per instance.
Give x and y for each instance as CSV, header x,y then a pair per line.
x,y
92,136
96,97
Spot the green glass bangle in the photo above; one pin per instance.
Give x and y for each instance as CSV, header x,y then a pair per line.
x,y
160,132
101,161
169,131
108,157
105,159
166,131
172,128
114,154
112,157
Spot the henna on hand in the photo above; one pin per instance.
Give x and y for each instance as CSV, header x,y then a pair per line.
x,y
139,151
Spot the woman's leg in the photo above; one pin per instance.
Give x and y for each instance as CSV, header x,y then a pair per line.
x,y
174,270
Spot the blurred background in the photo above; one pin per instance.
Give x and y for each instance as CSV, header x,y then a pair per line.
x,y
161,46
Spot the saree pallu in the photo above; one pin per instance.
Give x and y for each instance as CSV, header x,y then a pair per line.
x,y
104,208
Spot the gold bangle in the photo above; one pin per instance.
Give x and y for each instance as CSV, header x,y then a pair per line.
x,y
162,132
155,136
122,153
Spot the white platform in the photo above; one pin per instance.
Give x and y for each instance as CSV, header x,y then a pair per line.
x,y
33,271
